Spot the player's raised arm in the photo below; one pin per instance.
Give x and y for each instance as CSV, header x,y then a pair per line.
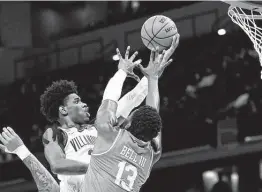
x,y
106,115
57,159
132,99
12,143
157,64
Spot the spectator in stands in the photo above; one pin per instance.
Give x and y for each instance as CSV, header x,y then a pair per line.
x,y
221,186
35,139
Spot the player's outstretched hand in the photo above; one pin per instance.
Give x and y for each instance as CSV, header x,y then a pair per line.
x,y
11,141
168,53
128,64
156,65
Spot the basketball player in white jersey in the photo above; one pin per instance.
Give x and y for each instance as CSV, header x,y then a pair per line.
x,y
45,182
70,158
43,179
61,104
74,158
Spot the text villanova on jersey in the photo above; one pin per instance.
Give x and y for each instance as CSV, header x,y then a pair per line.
x,y
81,141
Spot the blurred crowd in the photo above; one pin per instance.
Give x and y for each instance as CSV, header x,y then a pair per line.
x,y
116,12
211,78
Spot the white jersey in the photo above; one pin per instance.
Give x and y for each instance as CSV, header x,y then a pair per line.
x,y
79,147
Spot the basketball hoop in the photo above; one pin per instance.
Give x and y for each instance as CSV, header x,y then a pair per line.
x,y
247,14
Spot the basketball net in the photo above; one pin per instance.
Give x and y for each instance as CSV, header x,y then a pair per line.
x,y
247,21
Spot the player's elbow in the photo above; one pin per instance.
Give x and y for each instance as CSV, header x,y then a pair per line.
x,y
68,167
58,168
55,168
159,153
56,165
54,162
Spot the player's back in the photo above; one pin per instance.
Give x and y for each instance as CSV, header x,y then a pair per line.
x,y
124,167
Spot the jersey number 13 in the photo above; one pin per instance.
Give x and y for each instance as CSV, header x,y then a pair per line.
x,y
130,173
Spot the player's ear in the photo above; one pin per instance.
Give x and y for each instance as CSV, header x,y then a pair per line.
x,y
120,120
63,110
126,124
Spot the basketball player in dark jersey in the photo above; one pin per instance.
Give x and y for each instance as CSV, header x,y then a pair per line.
x,y
122,159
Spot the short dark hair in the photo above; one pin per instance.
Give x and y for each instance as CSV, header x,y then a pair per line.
x,y
146,123
54,96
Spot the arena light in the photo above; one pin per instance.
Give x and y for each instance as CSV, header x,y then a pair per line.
x,y
210,178
135,5
115,58
221,32
234,181
210,175
234,177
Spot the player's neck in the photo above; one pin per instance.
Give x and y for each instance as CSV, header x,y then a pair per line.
x,y
139,141
68,124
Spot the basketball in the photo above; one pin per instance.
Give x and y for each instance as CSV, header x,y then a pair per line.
x,y
158,31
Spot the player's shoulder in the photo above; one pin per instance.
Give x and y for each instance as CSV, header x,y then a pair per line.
x,y
123,135
54,134
90,129
48,134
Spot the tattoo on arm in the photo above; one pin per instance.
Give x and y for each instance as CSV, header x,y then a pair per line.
x,y
43,179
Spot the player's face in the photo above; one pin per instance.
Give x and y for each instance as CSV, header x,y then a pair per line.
x,y
76,109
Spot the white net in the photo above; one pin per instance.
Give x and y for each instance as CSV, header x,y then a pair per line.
x,y
248,20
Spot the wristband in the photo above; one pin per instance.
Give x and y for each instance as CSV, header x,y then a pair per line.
x,y
22,152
